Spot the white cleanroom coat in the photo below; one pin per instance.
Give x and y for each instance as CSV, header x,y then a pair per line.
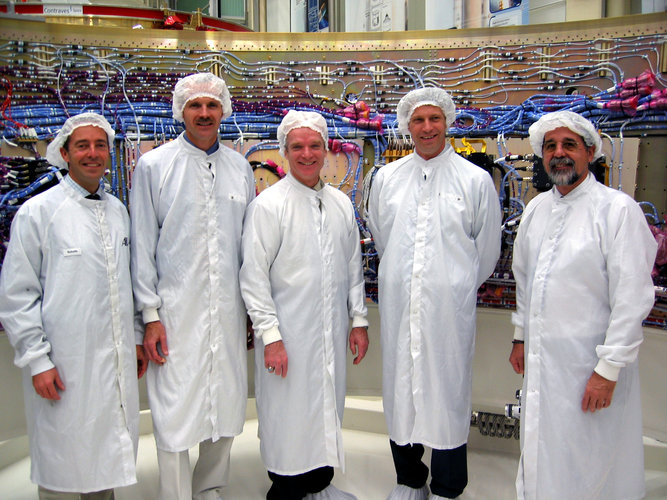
x,y
66,301
302,274
582,264
436,226
187,212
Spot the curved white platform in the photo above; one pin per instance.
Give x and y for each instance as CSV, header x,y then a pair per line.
x,y
369,471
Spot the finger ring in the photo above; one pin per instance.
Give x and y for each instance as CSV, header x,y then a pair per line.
x,y
271,369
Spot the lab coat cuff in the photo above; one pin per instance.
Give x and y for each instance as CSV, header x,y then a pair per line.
x,y
271,335
607,370
149,315
518,333
41,364
359,321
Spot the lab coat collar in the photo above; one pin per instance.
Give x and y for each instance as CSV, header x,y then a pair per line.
x,y
302,188
79,193
433,161
195,151
581,190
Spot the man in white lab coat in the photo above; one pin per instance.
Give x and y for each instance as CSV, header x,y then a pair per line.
x,y
187,205
435,219
302,282
582,262
66,305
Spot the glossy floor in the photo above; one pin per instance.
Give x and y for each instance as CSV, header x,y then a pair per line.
x,y
369,472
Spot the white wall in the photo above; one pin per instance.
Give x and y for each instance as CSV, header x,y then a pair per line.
x,y
441,14
547,11
374,15
286,16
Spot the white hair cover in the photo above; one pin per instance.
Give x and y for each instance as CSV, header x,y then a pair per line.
x,y
53,155
426,96
300,119
200,85
558,119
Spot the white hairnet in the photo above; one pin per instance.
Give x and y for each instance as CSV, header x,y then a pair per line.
x,y
200,85
576,123
432,96
300,119
53,155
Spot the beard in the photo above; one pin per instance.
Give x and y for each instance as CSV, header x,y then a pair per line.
x,y
562,177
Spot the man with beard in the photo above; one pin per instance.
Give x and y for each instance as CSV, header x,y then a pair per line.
x,y
582,262
187,205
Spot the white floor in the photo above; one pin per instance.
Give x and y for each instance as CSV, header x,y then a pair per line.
x,y
369,472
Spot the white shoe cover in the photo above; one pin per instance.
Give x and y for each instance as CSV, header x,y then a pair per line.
x,y
212,494
403,492
437,497
330,493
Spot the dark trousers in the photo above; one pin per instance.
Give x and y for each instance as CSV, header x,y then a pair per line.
x,y
449,468
297,487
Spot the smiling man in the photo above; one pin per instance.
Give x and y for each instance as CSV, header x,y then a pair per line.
x,y
435,219
303,285
66,305
187,205
582,262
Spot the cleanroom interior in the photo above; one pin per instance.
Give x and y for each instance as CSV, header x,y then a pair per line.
x,y
500,78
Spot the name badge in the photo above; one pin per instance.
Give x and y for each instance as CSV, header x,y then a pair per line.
x,y
70,252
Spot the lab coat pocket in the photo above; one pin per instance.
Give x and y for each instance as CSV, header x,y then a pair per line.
x,y
70,260
453,213
237,203
451,199
457,220
237,198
